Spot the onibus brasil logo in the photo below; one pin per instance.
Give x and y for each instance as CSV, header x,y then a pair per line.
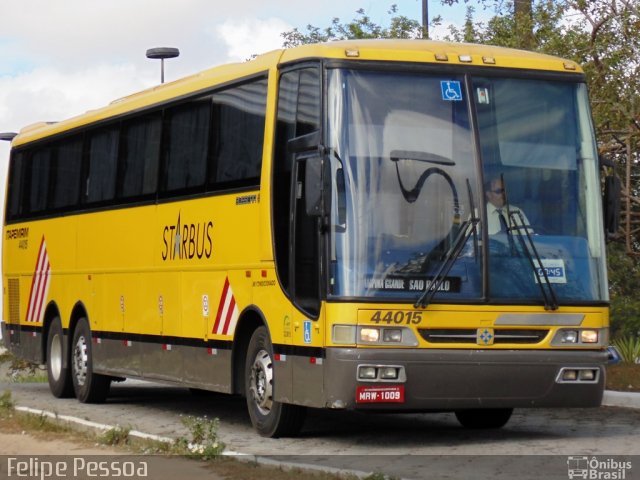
x,y
583,466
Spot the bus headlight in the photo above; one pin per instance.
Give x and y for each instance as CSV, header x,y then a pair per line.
x,y
344,334
382,373
589,336
391,336
580,337
367,373
569,336
389,373
369,335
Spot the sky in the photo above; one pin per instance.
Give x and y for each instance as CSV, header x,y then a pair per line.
x,y
61,58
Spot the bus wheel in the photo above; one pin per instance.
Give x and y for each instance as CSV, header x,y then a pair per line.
x,y
89,387
269,417
59,376
484,417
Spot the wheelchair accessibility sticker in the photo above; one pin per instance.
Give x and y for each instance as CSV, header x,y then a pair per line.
x,y
451,90
307,331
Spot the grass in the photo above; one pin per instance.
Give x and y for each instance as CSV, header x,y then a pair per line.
x,y
624,377
21,371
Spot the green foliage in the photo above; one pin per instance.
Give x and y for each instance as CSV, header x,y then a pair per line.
x,y
360,27
629,348
624,285
204,443
42,423
6,404
379,476
116,436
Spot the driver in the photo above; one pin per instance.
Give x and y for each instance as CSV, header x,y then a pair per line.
x,y
499,214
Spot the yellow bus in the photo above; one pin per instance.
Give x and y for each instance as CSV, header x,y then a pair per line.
x,y
308,229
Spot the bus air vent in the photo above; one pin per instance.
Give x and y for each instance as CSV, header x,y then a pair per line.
x,y
14,300
469,335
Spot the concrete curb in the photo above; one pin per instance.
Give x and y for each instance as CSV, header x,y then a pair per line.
x,y
621,399
242,457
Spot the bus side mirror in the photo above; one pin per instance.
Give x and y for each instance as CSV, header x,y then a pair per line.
x,y
313,186
611,204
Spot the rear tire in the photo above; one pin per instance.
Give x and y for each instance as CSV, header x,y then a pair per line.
x,y
59,376
269,417
477,418
88,386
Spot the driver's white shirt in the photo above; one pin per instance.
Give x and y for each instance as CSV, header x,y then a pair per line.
x,y
493,217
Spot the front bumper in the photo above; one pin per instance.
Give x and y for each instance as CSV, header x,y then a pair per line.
x,y
448,379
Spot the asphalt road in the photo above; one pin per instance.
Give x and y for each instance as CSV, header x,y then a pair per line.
x,y
534,444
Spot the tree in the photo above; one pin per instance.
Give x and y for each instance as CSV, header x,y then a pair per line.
x,y
361,26
613,70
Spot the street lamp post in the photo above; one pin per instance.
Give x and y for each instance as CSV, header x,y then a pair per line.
x,y
7,136
160,53
425,18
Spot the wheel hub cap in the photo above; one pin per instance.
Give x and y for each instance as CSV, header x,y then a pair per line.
x,y
261,382
80,360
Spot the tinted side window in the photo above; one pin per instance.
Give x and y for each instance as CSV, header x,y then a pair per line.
x,y
187,146
66,172
139,157
37,192
298,114
238,135
14,186
103,162
308,111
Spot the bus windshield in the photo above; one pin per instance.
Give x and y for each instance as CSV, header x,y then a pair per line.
x,y
410,171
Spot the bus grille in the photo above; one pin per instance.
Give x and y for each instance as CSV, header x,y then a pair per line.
x,y
13,285
470,335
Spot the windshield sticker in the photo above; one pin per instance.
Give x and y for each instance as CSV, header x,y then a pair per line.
x,y
483,96
411,284
554,267
451,90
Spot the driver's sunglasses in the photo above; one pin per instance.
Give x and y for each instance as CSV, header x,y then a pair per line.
x,y
497,191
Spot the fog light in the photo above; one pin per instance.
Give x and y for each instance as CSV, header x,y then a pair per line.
x,y
570,375
344,334
392,335
367,373
569,336
369,334
589,336
587,375
389,373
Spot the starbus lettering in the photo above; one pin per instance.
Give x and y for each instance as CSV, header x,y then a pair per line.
x,y
187,241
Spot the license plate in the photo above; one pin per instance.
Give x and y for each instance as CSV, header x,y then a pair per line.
x,y
380,394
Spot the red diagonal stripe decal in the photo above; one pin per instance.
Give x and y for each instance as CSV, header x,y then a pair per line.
x,y
223,297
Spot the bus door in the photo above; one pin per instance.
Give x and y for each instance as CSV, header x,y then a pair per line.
x,y
296,228
308,327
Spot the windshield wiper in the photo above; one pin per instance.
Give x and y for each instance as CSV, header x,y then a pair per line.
x,y
427,157
548,294
468,228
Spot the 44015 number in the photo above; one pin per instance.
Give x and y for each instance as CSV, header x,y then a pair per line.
x,y
397,317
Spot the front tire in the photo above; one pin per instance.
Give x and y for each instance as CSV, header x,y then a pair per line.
x,y
269,417
476,418
88,386
58,375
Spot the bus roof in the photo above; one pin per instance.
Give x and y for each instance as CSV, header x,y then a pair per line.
x,y
421,51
